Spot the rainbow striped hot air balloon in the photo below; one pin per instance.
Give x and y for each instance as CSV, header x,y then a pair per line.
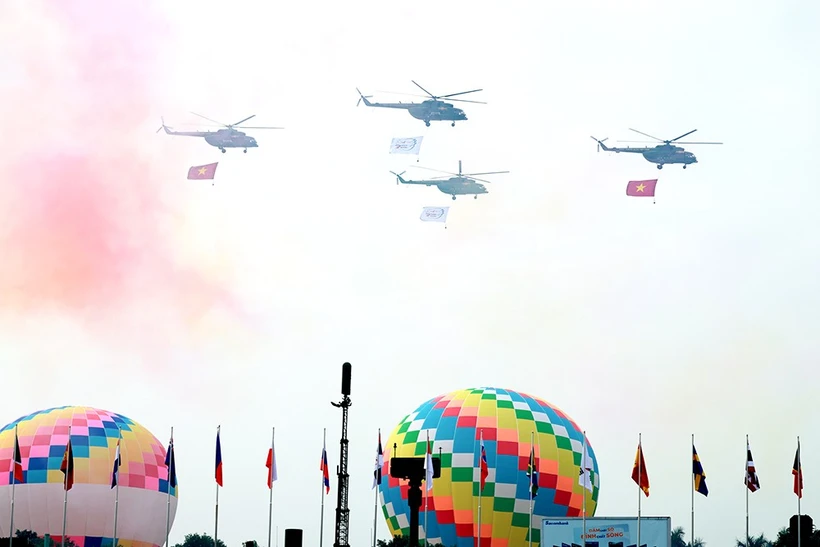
x,y
142,478
508,421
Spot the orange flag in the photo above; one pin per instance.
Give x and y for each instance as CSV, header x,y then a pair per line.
x,y
639,472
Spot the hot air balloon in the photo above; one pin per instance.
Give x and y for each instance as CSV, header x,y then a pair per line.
x,y
513,426
143,498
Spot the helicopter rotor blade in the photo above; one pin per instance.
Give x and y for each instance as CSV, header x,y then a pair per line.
x,y
466,101
209,119
647,135
485,173
437,170
682,136
433,96
460,93
259,127
687,142
240,121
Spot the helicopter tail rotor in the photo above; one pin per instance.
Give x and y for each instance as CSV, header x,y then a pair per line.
x,y
398,176
363,98
600,142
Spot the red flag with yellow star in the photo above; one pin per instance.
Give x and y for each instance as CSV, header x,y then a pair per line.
x,y
641,188
202,172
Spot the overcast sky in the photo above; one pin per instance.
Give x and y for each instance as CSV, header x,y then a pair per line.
x,y
177,303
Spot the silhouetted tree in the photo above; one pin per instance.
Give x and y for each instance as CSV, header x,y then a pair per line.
x,y
402,541
199,540
679,541
759,541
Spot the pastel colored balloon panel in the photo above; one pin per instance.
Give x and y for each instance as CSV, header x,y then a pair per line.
x,y
143,478
507,421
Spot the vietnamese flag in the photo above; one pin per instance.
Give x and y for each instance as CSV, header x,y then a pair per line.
x,y
639,474
202,172
638,188
218,473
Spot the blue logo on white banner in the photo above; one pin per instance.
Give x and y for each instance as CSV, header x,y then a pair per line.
x,y
607,532
434,214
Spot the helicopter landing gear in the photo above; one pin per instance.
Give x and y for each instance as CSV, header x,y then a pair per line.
x,y
453,124
245,151
660,166
454,198
684,167
475,196
223,150
427,123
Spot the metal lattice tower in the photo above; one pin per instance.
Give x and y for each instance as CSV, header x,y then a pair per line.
x,y
342,510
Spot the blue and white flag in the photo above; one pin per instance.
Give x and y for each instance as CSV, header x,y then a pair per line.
x,y
408,145
434,214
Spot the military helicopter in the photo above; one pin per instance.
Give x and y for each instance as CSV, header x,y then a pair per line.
x,y
431,110
459,184
222,138
660,154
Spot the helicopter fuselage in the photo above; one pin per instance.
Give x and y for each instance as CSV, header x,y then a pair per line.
x,y
230,139
454,186
668,154
436,111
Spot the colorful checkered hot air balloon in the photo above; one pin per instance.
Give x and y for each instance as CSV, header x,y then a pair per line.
x,y
506,420
141,475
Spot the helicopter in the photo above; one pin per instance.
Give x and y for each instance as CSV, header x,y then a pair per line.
x,y
222,138
459,184
660,154
430,110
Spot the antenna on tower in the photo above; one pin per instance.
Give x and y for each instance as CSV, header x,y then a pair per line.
x,y
342,510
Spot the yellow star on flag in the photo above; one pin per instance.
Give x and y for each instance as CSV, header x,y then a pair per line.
x,y
640,187
202,170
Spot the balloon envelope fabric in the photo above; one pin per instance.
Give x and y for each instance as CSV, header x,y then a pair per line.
x,y
38,506
508,421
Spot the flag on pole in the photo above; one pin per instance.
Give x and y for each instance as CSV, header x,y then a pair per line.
x,y
408,145
797,471
752,482
485,471
202,172
271,465
638,188
325,471
585,475
434,214
67,466
699,475
17,471
377,470
171,464
115,473
428,464
639,474
532,472
218,471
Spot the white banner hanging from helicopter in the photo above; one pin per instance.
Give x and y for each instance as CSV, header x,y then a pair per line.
x,y
406,145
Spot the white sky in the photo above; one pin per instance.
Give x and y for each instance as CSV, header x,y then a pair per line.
x,y
697,314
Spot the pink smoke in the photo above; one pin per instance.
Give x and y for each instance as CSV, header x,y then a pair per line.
x,y
83,222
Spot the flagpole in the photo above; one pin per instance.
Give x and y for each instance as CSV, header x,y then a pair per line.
x,y
747,490
532,471
117,491
168,503
322,489
270,503
640,469
584,491
693,495
68,467
427,492
216,507
480,446
13,483
375,514
799,488
377,479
